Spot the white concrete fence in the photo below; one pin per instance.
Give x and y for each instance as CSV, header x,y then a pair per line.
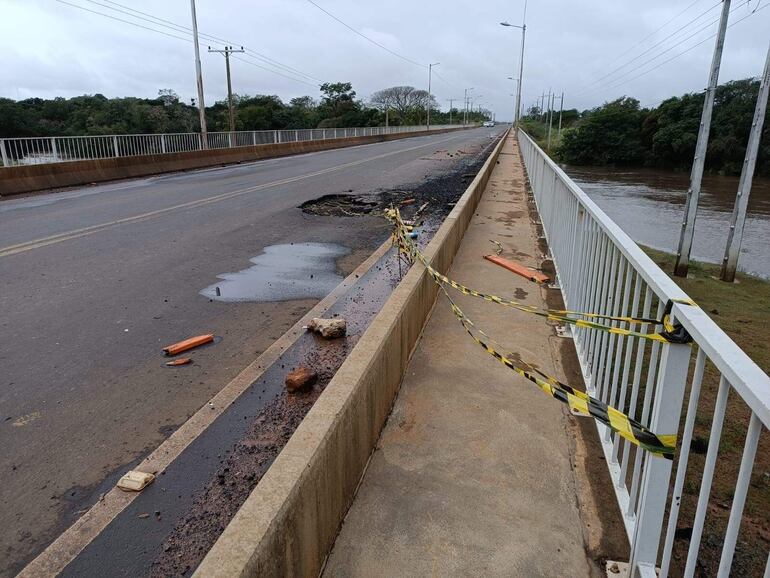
x,y
56,149
600,269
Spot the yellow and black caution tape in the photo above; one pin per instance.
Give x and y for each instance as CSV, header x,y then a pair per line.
x,y
578,401
662,445
671,334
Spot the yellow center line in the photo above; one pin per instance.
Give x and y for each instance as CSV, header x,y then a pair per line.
x,y
76,233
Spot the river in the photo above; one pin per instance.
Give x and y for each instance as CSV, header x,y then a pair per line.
x,y
649,205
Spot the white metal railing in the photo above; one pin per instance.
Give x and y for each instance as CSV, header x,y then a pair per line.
x,y
600,269
56,149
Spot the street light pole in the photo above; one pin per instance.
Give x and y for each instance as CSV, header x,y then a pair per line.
x,y
514,111
199,74
430,71
523,28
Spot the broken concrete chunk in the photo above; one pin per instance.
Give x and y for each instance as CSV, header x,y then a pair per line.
x,y
135,481
328,328
299,379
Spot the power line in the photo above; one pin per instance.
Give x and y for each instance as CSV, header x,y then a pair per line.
x,y
445,81
125,21
622,79
184,29
653,33
693,46
614,82
252,53
638,56
362,35
274,71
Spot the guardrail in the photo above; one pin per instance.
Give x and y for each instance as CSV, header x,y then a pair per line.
x,y
600,269
57,149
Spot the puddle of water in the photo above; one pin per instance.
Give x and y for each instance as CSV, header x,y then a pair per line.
x,y
282,273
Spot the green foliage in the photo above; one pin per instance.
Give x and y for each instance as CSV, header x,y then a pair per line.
x,y
97,114
609,134
619,132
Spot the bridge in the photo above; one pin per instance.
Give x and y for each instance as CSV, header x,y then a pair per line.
x,y
425,455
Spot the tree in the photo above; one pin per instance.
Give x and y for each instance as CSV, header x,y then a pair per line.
x,y
407,101
610,134
339,108
168,96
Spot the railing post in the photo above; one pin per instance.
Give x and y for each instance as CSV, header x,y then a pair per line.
x,y
667,408
276,137
163,143
115,146
254,138
3,153
54,152
230,140
296,136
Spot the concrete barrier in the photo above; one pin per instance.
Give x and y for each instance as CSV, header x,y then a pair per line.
x,y
28,178
288,524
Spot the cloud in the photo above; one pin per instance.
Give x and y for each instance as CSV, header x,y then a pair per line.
x,y
52,49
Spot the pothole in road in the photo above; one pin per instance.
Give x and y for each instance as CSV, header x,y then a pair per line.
x,y
342,205
438,193
283,273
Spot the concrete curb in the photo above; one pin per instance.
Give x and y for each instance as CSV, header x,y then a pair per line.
x,y
289,523
24,179
54,559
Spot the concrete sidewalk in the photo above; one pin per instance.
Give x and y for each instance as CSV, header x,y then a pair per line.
x,y
474,472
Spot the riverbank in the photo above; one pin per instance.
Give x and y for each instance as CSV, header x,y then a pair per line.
x,y
742,310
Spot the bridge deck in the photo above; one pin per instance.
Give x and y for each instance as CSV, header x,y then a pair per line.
x,y
477,471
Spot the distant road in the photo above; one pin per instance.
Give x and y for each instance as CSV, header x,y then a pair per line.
x,y
95,281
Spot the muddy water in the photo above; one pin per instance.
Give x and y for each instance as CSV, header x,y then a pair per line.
x,y
281,273
649,206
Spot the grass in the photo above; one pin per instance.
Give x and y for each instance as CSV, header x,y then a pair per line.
x,y
538,130
742,310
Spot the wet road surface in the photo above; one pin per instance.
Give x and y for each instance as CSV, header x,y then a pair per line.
x,y
96,281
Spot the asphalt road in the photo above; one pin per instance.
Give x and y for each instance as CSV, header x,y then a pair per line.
x,y
95,281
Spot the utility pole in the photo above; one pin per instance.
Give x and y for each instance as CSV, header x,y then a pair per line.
x,y
228,50
561,108
201,105
451,100
738,220
696,176
542,105
430,71
550,120
465,106
465,109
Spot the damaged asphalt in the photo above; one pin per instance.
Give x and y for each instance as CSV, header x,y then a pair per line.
x,y
101,306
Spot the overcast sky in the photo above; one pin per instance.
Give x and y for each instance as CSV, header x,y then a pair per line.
x,y
53,49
